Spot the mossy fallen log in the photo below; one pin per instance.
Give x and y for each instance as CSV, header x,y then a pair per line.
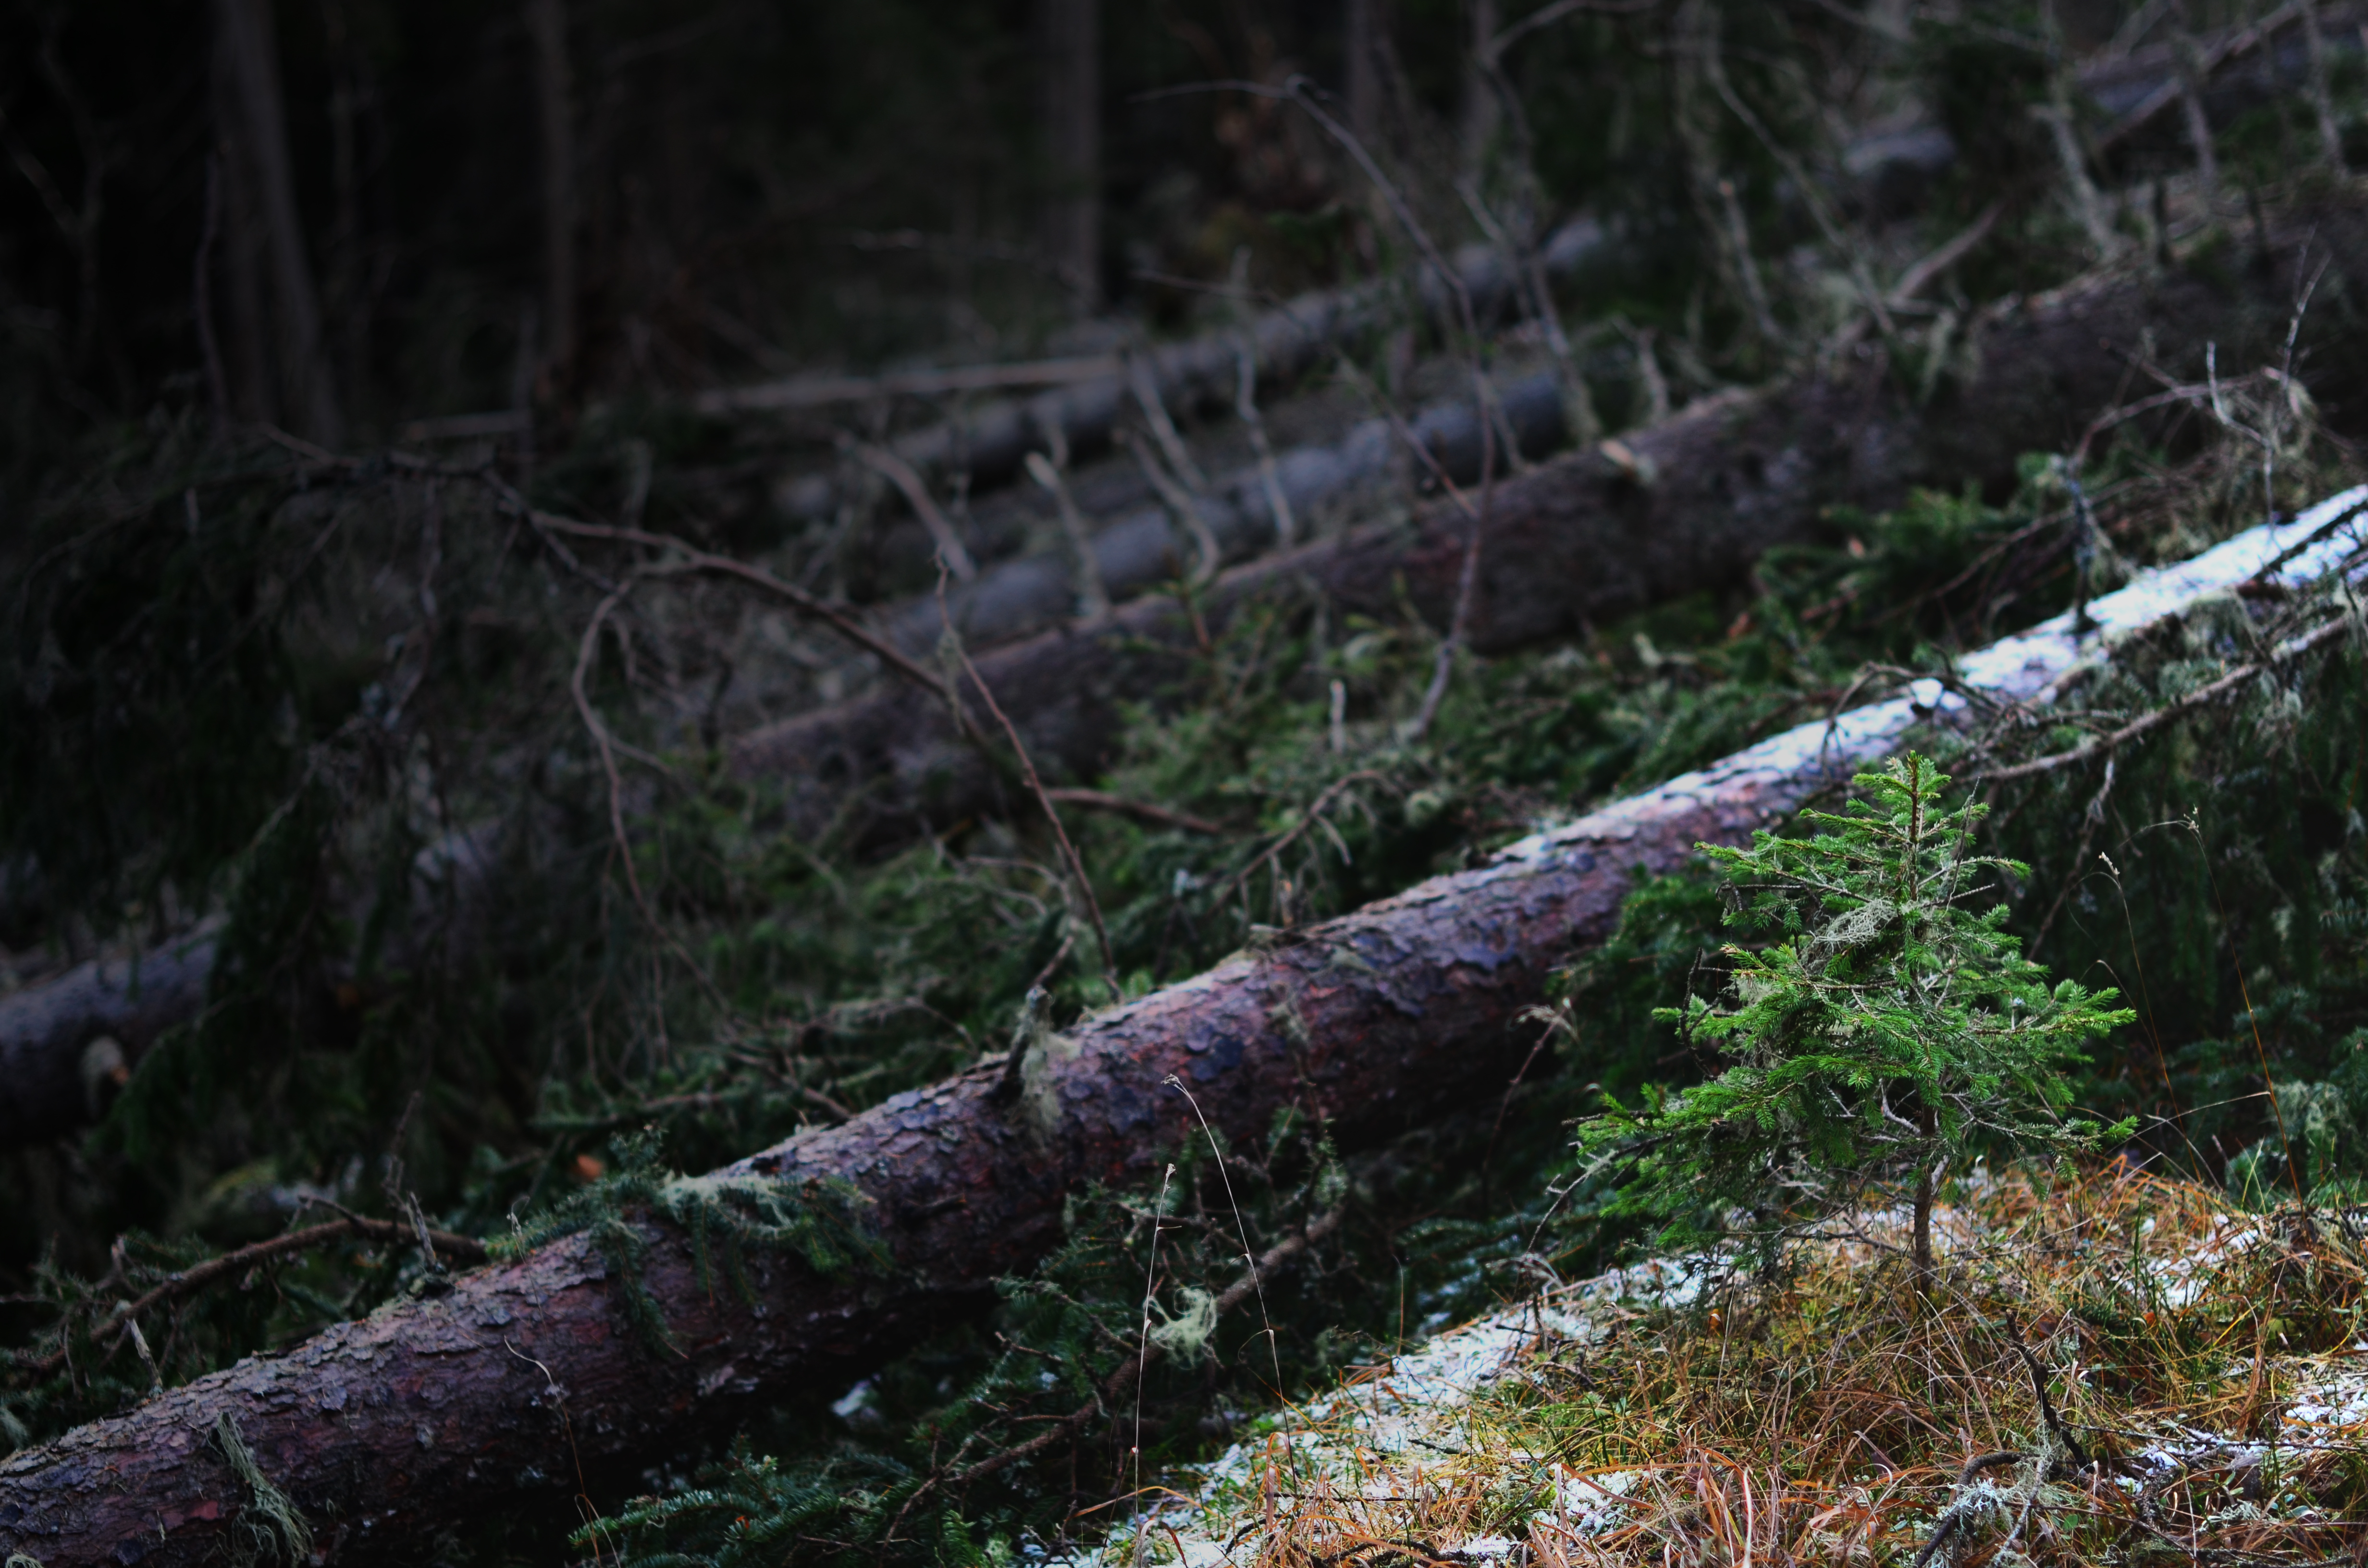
x,y
532,1378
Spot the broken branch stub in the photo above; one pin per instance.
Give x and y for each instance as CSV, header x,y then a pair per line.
x,y
384,1431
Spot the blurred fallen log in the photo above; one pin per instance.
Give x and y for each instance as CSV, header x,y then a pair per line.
x,y
990,441
67,1043
1137,550
526,1382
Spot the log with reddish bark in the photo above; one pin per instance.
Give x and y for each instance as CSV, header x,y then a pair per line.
x,y
526,1376
1685,505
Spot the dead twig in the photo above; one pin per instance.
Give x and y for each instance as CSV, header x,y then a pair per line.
x,y
2201,697
1093,594
899,472
1313,813
547,526
1140,811
1240,1291
1069,857
197,1276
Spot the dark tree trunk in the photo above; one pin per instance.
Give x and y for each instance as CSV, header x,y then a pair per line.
x,y
1361,70
1072,44
267,227
491,1397
546,23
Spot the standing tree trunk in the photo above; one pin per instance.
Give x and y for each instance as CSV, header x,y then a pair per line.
x,y
253,123
1925,1178
546,23
1361,75
2322,101
1072,44
1481,110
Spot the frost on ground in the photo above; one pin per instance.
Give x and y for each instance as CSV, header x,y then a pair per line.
x,y
2213,1365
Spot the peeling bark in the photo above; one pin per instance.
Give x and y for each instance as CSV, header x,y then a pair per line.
x,y
492,1396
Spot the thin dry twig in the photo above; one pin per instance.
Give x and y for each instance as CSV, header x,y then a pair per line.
x,y
1093,594
1140,811
899,472
190,1281
1307,819
2201,697
548,526
1069,857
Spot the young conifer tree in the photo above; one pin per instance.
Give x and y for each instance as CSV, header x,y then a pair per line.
x,y
1891,1028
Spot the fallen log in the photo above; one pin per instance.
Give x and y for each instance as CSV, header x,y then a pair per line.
x,y
1687,505
525,1381
989,440
1896,165
65,1043
1139,549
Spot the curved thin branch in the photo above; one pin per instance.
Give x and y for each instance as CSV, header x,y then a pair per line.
x,y
191,1281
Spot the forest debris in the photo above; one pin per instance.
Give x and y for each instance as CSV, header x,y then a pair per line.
x,y
1456,965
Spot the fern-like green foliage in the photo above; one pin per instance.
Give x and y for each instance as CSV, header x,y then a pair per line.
x,y
820,1222
2321,1137
1890,1029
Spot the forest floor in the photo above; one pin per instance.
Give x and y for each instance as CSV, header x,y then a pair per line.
x,y
2206,1396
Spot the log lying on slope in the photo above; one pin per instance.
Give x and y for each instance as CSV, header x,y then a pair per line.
x,y
427,1414
1586,538
67,1043
1139,549
990,441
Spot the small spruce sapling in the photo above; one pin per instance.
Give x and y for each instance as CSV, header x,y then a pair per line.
x,y
1889,1030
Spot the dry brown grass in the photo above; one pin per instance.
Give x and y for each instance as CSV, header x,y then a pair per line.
x,y
2212,1364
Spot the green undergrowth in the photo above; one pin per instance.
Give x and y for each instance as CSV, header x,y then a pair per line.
x,y
377,1036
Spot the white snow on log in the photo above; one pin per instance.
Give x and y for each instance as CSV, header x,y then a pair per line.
x,y
2032,668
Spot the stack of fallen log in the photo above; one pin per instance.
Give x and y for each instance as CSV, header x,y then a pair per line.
x,y
525,1380
1687,505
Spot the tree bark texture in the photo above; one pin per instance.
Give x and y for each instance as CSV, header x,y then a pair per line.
x,y
1685,505
492,1396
